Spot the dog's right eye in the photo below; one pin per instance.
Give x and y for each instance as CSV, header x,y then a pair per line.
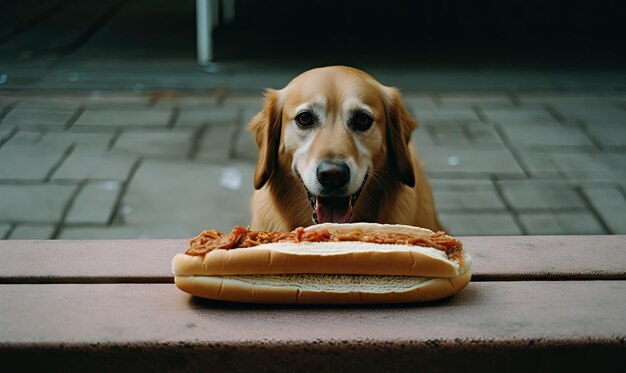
x,y
305,119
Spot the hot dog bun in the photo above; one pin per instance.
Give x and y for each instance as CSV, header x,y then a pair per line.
x,y
322,289
325,272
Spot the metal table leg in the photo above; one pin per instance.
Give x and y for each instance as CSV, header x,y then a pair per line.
x,y
204,27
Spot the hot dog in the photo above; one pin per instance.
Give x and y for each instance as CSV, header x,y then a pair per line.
x,y
324,263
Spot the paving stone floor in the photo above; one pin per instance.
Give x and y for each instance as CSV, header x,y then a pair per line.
x,y
109,128
129,165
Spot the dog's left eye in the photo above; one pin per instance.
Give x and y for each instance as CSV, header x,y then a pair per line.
x,y
361,122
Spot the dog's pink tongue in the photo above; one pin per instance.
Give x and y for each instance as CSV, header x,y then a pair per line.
x,y
333,209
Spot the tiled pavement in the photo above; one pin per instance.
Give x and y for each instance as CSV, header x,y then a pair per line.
x,y
131,165
109,129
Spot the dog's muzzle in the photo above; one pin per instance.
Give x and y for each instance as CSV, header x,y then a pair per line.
x,y
333,209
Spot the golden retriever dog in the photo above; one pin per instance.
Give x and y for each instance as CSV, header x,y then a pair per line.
x,y
334,146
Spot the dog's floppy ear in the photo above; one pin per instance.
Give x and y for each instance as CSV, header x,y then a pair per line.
x,y
266,127
400,125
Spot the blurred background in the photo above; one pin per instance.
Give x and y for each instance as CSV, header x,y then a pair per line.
x,y
115,123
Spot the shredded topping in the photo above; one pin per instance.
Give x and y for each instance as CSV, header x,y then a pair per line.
x,y
241,237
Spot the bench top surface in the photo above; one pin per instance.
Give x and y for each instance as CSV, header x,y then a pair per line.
x,y
531,297
160,313
495,258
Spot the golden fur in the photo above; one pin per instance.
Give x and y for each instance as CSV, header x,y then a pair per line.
x,y
396,190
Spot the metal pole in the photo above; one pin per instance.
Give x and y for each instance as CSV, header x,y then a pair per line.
x,y
204,28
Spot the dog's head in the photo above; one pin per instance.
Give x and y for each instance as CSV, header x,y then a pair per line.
x,y
331,127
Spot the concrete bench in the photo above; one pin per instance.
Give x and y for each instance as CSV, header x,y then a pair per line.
x,y
535,303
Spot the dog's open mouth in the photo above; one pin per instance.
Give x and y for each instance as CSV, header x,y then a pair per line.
x,y
333,209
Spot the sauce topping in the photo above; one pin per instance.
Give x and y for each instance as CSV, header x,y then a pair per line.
x,y
240,237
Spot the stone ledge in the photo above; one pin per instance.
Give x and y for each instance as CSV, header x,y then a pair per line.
x,y
515,326
112,261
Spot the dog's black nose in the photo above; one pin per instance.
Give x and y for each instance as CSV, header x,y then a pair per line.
x,y
333,175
